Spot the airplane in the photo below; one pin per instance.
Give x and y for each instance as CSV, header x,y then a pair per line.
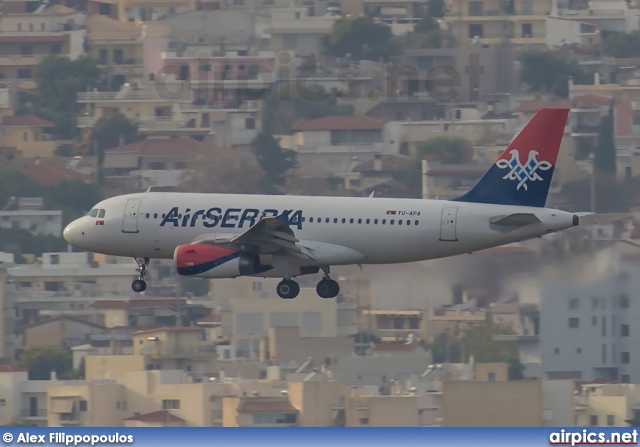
x,y
280,236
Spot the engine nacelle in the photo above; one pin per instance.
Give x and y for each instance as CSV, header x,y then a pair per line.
x,y
213,261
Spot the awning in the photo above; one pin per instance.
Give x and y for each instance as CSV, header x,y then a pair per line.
x,y
62,405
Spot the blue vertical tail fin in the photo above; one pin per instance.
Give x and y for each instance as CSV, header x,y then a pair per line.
x,y
522,174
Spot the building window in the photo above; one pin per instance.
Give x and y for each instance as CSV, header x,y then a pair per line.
x,y
250,123
574,304
157,166
25,136
624,357
594,321
42,27
604,327
574,323
55,48
556,351
475,8
170,404
491,377
476,29
611,420
83,405
624,301
624,330
204,67
578,350
593,420
527,30
625,378
55,259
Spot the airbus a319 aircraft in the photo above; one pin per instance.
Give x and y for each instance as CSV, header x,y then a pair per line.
x,y
226,236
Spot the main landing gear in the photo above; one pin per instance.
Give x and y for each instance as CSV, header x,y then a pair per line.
x,y
326,288
140,285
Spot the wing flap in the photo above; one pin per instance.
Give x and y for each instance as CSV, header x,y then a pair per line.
x,y
270,233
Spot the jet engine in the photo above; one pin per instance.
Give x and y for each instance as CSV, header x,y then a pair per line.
x,y
213,261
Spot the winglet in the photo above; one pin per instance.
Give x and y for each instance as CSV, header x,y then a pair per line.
x,y
522,174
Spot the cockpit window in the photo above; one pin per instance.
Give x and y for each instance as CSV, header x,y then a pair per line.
x,y
93,213
101,214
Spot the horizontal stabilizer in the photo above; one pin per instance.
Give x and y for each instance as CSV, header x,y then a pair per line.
x,y
584,214
515,220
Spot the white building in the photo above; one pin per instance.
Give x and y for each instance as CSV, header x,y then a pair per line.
x,y
607,15
588,326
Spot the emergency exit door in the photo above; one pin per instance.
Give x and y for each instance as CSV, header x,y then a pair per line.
x,y
448,224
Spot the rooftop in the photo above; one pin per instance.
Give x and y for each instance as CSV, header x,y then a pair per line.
x,y
137,303
25,121
164,147
49,174
156,416
265,404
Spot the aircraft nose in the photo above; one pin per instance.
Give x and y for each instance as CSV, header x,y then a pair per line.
x,y
73,232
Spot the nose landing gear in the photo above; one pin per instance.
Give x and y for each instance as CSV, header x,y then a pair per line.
x,y
140,285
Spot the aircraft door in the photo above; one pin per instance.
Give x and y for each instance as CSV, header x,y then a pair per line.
x,y
130,218
448,224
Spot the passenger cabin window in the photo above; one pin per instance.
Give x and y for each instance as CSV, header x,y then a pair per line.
x,y
101,214
93,213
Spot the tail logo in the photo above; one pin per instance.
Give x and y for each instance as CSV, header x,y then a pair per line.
x,y
526,172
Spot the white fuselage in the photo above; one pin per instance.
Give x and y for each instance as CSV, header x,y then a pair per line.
x,y
419,229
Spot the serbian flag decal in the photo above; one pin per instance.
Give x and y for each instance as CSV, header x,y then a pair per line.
x,y
391,212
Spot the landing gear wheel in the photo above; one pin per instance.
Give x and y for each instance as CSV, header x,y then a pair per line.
x,y
139,285
288,289
328,288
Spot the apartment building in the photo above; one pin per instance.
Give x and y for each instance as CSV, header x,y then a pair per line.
x,y
28,37
117,47
23,401
606,404
327,146
587,325
521,23
30,135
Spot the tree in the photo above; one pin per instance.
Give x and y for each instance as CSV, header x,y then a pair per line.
x,y
621,45
273,160
516,369
296,101
474,341
604,165
73,197
548,71
223,171
110,129
360,37
41,360
59,80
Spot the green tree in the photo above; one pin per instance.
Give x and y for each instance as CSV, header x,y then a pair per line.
x,y
516,369
362,38
474,341
274,162
198,287
605,152
621,45
73,197
59,80
109,129
548,71
607,193
41,360
296,101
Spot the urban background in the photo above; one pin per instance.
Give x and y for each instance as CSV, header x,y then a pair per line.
x,y
399,98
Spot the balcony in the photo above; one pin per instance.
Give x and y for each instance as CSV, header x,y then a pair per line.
x,y
593,13
496,14
339,149
397,334
203,106
21,60
456,315
582,130
166,352
121,96
38,413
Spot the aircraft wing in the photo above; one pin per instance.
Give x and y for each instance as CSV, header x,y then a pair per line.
x,y
269,235
515,220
